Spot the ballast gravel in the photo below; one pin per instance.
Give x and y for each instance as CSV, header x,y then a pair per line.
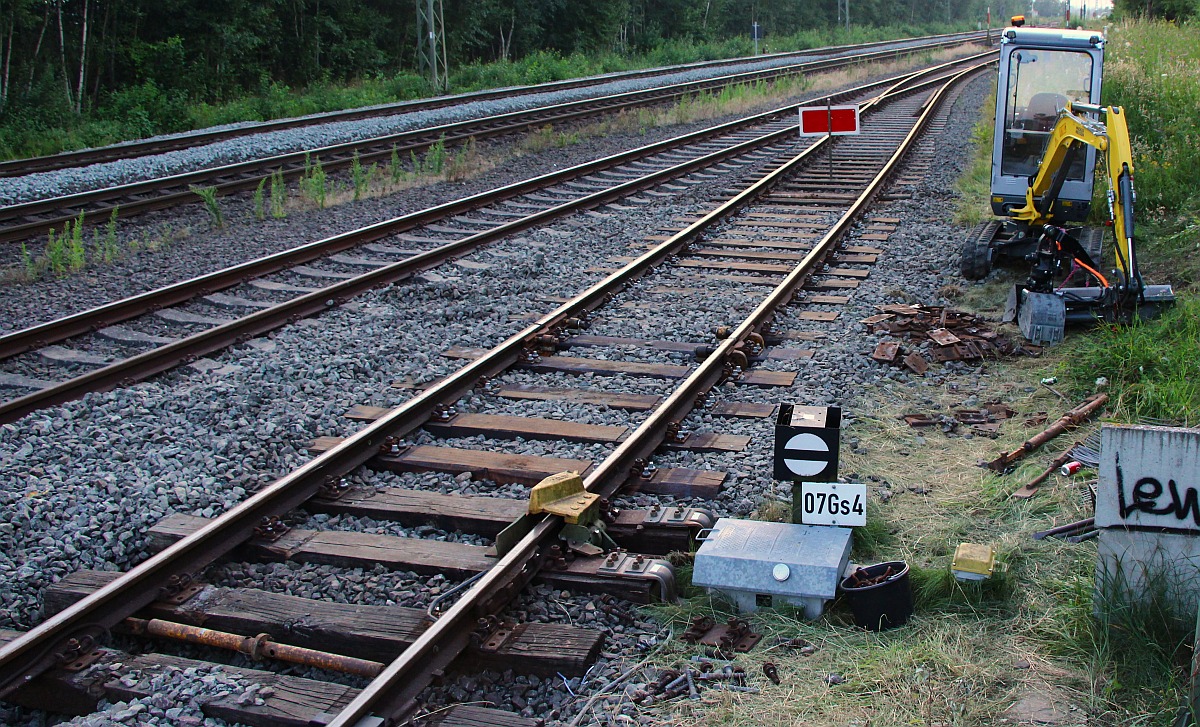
x,y
85,480
175,245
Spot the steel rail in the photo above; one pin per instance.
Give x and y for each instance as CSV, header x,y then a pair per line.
x,y
157,360
134,149
87,321
35,651
393,691
247,174
163,358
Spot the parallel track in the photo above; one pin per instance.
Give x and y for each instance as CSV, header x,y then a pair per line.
x,y
864,166
492,215
20,221
132,150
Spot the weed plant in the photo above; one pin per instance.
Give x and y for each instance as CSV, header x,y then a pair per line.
x,y
359,176
260,212
208,195
106,249
434,161
395,168
313,184
463,162
76,254
278,196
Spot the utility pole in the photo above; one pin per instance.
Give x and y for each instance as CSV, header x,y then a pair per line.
x,y
431,43
843,11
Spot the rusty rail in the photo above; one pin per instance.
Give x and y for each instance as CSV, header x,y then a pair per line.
x,y
35,651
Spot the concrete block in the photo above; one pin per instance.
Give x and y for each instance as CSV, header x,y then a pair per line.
x,y
1148,512
1149,478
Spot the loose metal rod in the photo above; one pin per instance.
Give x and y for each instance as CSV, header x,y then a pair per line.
x,y
256,647
1073,418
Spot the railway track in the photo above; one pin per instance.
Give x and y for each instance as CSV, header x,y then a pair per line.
x,y
273,291
131,150
773,243
23,220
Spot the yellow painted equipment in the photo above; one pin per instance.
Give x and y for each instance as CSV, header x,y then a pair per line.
x,y
563,495
973,562
1050,131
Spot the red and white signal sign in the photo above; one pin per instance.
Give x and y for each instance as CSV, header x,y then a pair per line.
x,y
836,120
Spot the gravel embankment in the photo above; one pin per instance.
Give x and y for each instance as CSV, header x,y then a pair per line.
x,y
171,246
69,181
86,480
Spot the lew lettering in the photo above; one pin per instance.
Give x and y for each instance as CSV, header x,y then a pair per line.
x,y
1147,493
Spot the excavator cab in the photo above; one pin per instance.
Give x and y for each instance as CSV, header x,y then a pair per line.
x,y
1041,69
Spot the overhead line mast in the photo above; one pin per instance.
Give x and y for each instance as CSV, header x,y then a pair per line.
x,y
431,44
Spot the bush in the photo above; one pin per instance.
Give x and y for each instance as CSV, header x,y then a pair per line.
x,y
146,110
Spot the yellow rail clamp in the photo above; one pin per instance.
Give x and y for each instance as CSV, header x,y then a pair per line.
x,y
563,495
973,562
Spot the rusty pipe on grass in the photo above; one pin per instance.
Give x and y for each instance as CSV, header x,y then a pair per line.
x,y
1067,421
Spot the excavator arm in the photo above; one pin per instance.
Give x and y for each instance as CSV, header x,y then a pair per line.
x,y
1110,136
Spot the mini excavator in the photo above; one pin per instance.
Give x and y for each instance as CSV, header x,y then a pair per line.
x,y
1049,130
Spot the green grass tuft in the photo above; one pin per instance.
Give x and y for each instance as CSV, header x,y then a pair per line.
x,y
1152,367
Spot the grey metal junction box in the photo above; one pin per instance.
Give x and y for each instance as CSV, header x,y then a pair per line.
x,y
749,560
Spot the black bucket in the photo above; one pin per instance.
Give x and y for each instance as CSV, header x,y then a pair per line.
x,y
883,605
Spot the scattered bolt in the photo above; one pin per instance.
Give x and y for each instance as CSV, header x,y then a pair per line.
x,y
734,688
771,671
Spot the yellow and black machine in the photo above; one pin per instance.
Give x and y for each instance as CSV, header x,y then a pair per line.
x,y
1049,130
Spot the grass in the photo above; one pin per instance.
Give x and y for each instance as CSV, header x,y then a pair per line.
x,y
1153,367
973,650
1153,70
975,185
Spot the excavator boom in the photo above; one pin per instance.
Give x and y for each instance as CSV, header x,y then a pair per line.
x,y
1109,136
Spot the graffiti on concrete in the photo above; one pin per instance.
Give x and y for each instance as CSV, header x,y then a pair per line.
x,y
1149,495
